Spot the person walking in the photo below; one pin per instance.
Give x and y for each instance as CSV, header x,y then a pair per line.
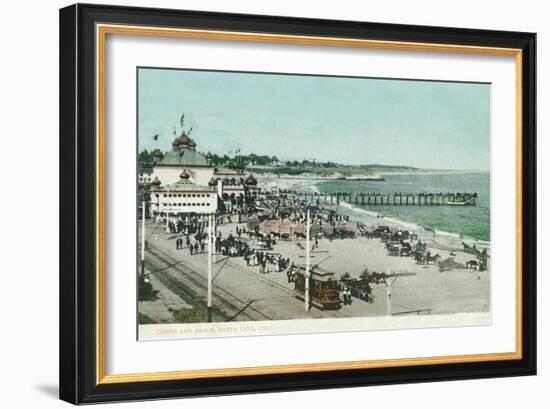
x,y
345,295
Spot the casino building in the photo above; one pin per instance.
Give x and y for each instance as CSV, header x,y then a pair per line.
x,y
185,181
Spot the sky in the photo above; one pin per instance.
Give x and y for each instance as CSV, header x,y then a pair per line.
x,y
436,125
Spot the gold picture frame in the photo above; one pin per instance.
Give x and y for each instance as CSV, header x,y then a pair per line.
x,y
99,21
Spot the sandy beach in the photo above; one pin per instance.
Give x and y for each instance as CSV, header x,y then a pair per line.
x,y
272,297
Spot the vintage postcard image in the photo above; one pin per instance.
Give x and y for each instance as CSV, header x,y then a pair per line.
x,y
274,203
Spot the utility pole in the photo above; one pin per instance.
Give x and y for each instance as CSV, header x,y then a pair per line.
x,y
306,297
388,294
213,238
143,239
209,303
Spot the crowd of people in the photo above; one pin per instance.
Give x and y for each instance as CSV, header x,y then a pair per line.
x,y
267,262
191,234
295,211
197,246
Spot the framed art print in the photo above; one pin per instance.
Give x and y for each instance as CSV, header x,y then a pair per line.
x,y
257,203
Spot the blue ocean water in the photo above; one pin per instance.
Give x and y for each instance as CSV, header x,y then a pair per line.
x,y
460,221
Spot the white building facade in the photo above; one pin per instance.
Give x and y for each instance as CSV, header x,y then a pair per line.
x,y
183,158
185,168
183,198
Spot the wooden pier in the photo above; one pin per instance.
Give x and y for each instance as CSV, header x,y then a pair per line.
x,y
390,199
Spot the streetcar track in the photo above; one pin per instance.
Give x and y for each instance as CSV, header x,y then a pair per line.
x,y
274,284
200,282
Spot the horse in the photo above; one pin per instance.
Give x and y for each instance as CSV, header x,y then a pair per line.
x,y
430,258
378,278
471,249
472,265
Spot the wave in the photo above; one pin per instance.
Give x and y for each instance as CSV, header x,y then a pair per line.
x,y
380,218
313,187
308,186
443,237
359,209
446,233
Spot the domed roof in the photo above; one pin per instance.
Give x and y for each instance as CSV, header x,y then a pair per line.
x,y
183,139
157,153
156,181
212,182
209,155
251,180
184,174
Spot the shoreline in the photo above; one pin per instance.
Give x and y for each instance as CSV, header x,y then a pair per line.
x,y
438,238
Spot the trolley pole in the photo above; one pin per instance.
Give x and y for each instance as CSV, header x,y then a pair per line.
x,y
143,238
209,304
306,296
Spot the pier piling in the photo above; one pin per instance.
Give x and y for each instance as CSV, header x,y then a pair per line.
x,y
395,199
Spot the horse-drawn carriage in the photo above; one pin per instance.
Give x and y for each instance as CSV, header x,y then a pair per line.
x,y
406,249
264,243
419,256
323,288
482,257
359,287
234,247
471,249
393,249
381,231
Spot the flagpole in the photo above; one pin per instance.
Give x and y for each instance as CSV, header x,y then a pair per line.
x,y
209,304
307,265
